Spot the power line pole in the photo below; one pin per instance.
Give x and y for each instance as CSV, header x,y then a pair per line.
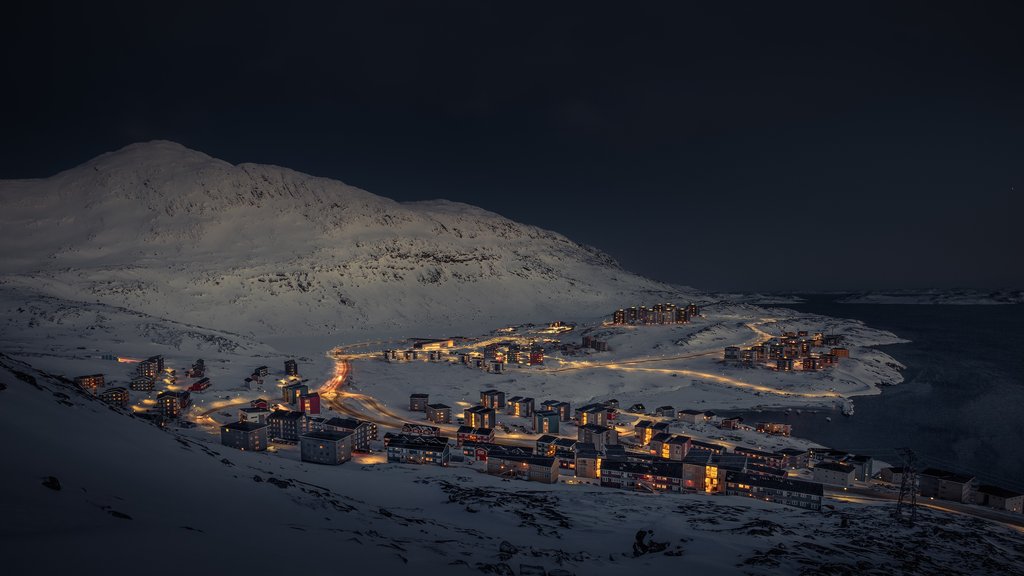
x,y
908,486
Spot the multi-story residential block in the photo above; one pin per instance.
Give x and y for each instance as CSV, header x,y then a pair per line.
x,y
251,414
309,403
532,468
492,399
545,422
644,476
418,449
418,402
173,404
798,493
439,413
599,436
563,409
116,396
834,474
291,393
475,435
291,368
286,425
363,431
479,417
945,485
251,436
326,447
90,383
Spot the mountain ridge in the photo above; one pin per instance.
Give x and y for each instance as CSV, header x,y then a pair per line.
x,y
206,234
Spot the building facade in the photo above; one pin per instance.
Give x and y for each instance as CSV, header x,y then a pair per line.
x,y
326,447
251,436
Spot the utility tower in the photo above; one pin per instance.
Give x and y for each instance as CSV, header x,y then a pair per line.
x,y
908,486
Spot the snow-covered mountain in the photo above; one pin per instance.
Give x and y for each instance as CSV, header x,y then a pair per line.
x,y
168,231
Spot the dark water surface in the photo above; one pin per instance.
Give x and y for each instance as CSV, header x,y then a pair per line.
x,y
960,405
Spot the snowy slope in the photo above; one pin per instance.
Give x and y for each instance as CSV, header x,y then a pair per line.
x,y
136,498
171,232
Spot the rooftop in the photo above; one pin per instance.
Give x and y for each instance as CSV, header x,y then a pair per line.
x,y
327,435
242,426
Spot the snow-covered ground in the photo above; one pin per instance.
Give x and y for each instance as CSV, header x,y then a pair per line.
x,y
136,497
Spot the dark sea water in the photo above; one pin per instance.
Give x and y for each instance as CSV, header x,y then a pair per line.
x,y
960,405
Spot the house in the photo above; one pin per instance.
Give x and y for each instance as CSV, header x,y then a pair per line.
x,y
691,416
945,485
711,417
545,422
141,384
309,403
326,447
731,423
479,417
492,399
407,449
291,392
732,354
251,436
418,402
670,446
116,396
999,498
531,468
794,458
261,371
286,425
363,431
291,368
834,473
592,414
471,434
797,493
651,477
773,459
665,411
89,383
439,413
563,409
713,448
200,385
260,403
172,404
612,404
637,408
420,430
522,407
250,414
598,435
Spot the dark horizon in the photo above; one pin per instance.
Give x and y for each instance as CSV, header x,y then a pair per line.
x,y
801,148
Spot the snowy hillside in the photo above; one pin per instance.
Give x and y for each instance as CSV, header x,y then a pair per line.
x,y
171,232
130,490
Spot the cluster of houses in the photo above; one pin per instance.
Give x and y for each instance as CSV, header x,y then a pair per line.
x,y
495,358
791,351
321,440
657,314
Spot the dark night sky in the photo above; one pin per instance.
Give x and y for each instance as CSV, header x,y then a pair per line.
x,y
770,146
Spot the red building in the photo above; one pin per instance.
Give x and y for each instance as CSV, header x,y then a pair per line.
x,y
260,403
536,356
199,385
309,403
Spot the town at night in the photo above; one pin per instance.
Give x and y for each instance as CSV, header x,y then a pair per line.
x,y
469,288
